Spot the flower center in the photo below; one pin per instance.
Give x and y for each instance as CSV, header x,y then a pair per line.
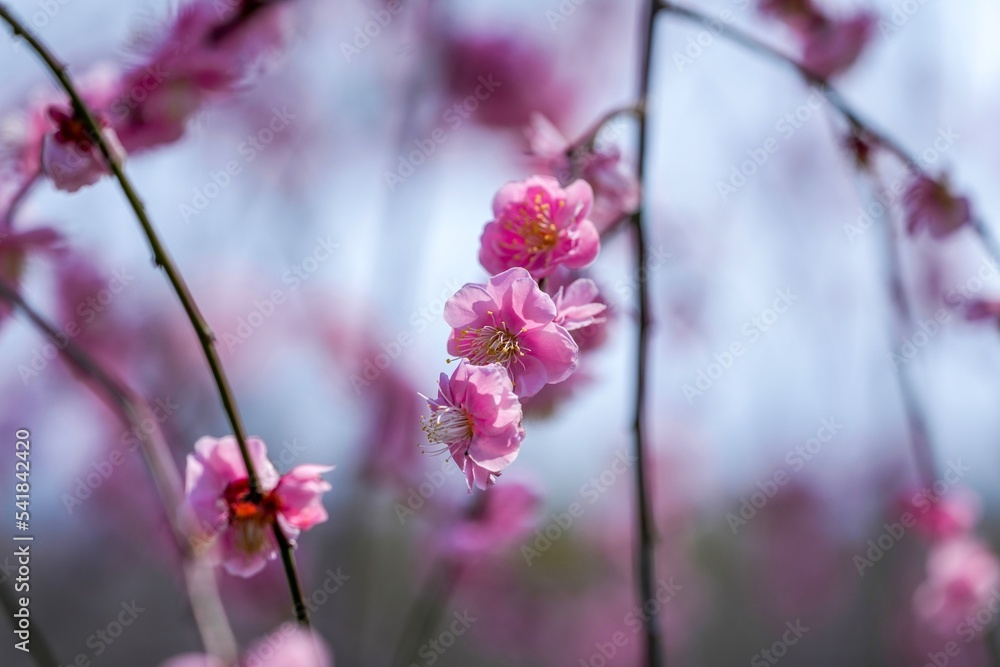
x,y
447,425
250,519
490,344
533,225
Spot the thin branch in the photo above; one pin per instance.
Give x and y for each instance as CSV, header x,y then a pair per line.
x,y
163,260
203,592
653,645
858,123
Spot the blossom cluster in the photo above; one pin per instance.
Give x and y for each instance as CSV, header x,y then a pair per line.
x,y
509,336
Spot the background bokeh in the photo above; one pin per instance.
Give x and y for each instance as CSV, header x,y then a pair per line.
x,y
360,264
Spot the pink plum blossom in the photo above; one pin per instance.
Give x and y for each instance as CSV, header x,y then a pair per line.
x,y
944,518
286,647
616,189
477,418
511,322
538,225
218,493
962,577
983,309
930,204
831,46
70,156
207,50
506,514
577,305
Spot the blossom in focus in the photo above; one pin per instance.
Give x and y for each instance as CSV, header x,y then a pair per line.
x,y
218,493
832,46
510,321
616,189
930,204
476,418
286,647
506,514
71,157
962,578
538,225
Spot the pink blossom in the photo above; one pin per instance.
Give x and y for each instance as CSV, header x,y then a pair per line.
x,y
477,418
539,225
208,49
930,204
577,305
15,249
616,189
506,514
500,80
983,309
218,493
962,578
510,321
286,647
831,46
70,156
943,518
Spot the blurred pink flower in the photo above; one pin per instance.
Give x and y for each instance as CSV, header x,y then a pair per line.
x,y
616,189
930,204
577,306
510,321
286,647
218,493
500,80
70,156
506,515
963,575
477,417
983,309
952,516
15,249
539,225
831,46
208,49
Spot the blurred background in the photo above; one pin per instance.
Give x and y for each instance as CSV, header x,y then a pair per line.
x,y
332,246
